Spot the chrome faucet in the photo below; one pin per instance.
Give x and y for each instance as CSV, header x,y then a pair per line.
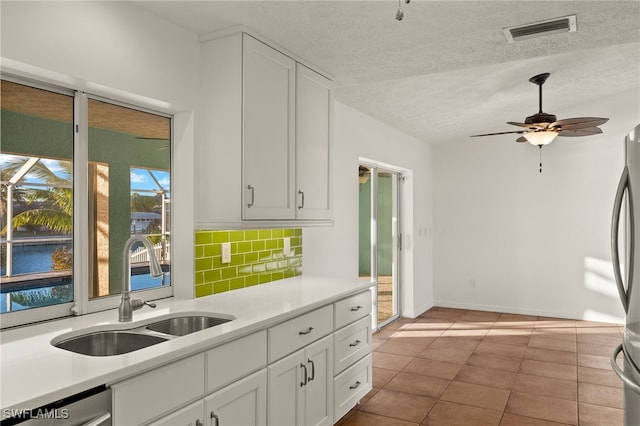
x,y
127,304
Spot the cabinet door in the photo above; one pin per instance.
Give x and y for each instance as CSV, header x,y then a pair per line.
x,y
313,136
268,145
243,403
191,415
319,388
286,390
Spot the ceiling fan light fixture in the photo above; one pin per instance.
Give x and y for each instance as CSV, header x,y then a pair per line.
x,y
540,138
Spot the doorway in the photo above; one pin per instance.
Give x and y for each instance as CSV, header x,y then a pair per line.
x,y
379,239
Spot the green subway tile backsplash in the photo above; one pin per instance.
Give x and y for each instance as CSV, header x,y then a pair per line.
x,y
257,257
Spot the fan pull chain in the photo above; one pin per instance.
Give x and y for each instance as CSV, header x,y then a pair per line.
x,y
540,146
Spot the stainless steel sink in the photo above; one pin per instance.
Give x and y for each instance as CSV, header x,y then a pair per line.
x,y
109,342
121,341
181,326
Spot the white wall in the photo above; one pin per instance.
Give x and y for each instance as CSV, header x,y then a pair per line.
x,y
117,50
510,239
333,251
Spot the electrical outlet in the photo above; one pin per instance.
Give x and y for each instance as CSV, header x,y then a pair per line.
x,y
226,252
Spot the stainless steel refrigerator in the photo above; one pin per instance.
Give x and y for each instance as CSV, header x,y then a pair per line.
x,y
626,266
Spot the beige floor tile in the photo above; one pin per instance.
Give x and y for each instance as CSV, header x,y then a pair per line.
x,y
382,376
484,316
399,323
452,414
456,356
597,376
452,315
517,317
369,395
390,361
400,348
596,415
360,418
465,332
546,386
487,377
548,369
608,336
427,324
423,337
461,342
545,322
471,325
594,361
429,367
552,343
476,395
560,333
417,384
549,355
495,362
505,336
490,347
600,395
515,420
595,349
543,407
399,405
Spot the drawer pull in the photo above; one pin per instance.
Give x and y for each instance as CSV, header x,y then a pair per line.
x,y
356,308
304,333
214,418
313,369
305,377
355,385
199,423
356,343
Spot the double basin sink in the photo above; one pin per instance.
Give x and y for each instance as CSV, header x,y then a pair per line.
x,y
122,341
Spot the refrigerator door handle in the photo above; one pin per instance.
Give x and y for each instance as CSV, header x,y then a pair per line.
x,y
623,185
621,373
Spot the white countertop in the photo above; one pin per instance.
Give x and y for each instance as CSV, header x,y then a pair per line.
x,y
34,373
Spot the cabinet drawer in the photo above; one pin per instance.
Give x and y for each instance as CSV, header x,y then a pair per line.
x,y
233,360
352,308
298,332
351,385
151,394
352,343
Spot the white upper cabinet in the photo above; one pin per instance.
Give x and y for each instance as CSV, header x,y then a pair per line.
x,y
268,140
263,147
313,144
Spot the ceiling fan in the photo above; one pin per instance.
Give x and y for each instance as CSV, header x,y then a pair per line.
x,y
542,128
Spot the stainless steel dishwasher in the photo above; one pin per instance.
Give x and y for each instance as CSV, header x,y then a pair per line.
x,y
89,408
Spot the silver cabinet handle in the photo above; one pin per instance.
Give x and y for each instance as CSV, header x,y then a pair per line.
x,y
356,308
356,343
307,331
355,385
304,381
313,369
624,184
215,418
253,195
97,421
623,375
301,206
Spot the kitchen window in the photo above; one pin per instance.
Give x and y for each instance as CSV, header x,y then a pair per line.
x,y
80,175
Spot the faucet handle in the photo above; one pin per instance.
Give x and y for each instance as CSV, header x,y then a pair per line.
x,y
139,303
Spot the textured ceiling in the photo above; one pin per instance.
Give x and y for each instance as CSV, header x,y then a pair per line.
x,y
446,70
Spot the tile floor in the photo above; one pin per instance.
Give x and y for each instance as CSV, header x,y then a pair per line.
x,y
459,367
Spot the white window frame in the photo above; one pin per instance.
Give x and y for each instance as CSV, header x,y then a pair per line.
x,y
78,90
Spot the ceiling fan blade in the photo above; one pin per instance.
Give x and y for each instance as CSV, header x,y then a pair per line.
x,y
499,133
521,139
528,126
579,123
580,132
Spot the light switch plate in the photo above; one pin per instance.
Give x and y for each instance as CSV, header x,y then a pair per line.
x,y
287,246
226,252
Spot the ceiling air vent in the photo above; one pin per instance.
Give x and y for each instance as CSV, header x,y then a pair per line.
x,y
565,24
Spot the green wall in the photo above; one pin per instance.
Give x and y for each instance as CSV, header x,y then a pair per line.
x,y
385,238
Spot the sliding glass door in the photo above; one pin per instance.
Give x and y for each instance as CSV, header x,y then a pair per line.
x,y
379,239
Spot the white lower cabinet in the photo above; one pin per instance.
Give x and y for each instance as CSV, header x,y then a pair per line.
x,y
191,415
243,403
301,388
